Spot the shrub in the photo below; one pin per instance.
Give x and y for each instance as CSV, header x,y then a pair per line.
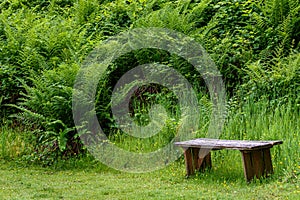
x,y
47,109
32,42
277,80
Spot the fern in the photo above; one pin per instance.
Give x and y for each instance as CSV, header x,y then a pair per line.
x,y
171,17
277,25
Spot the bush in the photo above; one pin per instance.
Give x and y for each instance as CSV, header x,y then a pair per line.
x,y
32,42
277,80
47,109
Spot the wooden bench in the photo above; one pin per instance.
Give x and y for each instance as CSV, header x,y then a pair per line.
x,y
256,155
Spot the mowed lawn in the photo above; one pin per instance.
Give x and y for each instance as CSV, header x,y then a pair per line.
x,y
100,182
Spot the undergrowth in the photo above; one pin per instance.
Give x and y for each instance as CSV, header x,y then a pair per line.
x,y
42,44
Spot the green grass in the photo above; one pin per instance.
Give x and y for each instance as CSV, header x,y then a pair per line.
x,y
13,142
98,182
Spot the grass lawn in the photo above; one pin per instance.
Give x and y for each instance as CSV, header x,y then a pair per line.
x,y
99,182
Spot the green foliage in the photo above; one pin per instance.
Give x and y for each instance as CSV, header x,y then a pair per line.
x,y
170,16
278,25
228,35
278,79
32,42
240,32
47,109
255,45
268,120
14,142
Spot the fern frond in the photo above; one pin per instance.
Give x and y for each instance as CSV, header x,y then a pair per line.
x,y
200,7
261,21
26,113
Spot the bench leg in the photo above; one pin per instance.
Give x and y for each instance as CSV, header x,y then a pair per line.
x,y
194,162
257,163
188,161
203,161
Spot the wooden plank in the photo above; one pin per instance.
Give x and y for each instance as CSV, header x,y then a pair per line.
x,y
188,162
205,162
195,161
258,163
202,159
268,162
228,144
197,164
248,165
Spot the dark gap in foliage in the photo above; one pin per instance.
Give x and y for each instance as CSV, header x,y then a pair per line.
x,y
131,60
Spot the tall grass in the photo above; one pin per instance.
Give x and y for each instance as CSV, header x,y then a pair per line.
x,y
264,121
14,142
247,121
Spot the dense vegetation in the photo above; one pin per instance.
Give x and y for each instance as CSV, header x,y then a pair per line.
x,y
254,43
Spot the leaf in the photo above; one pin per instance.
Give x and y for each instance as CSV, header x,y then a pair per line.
x,y
63,138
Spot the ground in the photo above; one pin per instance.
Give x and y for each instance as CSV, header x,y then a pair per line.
x,y
99,182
